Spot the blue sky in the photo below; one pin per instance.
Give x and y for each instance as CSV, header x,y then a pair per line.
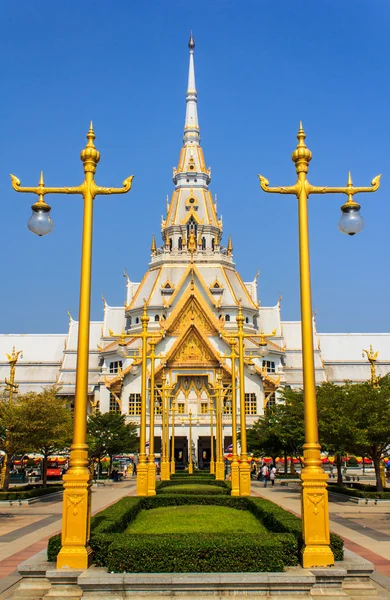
x,y
260,68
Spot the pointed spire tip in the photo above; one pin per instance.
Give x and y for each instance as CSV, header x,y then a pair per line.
x,y
191,43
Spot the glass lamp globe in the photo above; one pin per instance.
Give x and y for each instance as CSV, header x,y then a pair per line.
x,y
135,369
40,221
351,221
263,349
121,351
251,367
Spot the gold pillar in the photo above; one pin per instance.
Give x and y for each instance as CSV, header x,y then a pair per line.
x,y
142,468
190,463
164,431
316,551
173,408
219,466
151,464
212,462
244,468
234,464
75,552
11,387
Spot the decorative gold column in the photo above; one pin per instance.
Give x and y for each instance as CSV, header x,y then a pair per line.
x,y
75,552
165,431
212,462
10,387
219,466
316,551
244,469
234,464
190,463
173,409
151,464
142,468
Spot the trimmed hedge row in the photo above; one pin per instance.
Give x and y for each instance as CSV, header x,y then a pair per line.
x,y
182,553
210,553
359,492
30,492
185,474
288,475
192,481
191,489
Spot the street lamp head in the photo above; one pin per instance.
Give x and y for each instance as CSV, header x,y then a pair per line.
x,y
121,351
351,221
263,349
40,221
251,367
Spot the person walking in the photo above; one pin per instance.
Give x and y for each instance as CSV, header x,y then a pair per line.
x,y
272,475
265,474
125,470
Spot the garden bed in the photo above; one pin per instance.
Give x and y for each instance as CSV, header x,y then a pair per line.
x,y
359,490
198,552
29,491
197,488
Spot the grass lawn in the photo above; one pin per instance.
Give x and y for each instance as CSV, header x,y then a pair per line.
x,y
193,518
197,488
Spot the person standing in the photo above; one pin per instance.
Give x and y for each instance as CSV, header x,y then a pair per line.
x,y
125,470
265,474
272,475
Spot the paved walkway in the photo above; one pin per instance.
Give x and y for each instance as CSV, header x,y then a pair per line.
x,y
365,529
24,530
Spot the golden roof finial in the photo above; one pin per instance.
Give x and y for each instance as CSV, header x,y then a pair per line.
x,y
89,155
153,248
191,43
301,155
230,245
104,300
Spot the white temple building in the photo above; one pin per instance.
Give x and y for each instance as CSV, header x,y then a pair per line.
x,y
192,292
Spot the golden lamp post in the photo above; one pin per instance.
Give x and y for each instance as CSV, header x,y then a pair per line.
x,y
190,462
173,409
165,389
75,552
212,461
234,467
314,496
11,388
144,470
219,466
240,335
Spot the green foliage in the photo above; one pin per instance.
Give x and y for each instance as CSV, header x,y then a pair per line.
x,y
195,474
194,489
287,476
365,491
193,481
199,553
109,434
25,492
53,547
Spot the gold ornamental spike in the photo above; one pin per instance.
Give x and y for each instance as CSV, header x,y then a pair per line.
x,y
349,183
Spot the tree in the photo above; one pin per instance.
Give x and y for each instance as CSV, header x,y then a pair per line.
x,y
47,424
11,421
371,407
109,434
337,423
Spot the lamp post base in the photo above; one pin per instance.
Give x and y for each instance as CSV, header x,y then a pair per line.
x,y
219,470
165,471
316,550
172,467
142,479
235,476
76,511
151,478
245,479
212,467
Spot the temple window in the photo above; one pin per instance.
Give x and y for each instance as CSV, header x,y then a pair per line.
x,y
203,243
170,243
180,408
135,404
270,400
180,243
250,404
115,365
156,317
227,318
270,366
213,244
204,408
114,404
136,320
192,228
246,319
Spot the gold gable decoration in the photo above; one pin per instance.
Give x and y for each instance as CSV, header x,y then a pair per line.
x,y
192,313
192,352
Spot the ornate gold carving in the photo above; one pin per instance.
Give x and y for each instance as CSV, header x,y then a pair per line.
x,y
192,312
193,351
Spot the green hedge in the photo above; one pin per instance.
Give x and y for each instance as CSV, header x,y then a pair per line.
x,y
185,474
360,491
288,476
205,490
150,553
192,481
30,492
210,553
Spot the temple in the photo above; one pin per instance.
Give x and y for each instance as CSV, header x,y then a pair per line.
x,y
191,293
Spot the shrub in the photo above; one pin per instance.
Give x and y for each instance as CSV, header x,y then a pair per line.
x,y
359,490
195,489
288,476
53,547
192,481
185,474
29,491
197,553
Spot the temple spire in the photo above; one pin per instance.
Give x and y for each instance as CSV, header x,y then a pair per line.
x,y
191,125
